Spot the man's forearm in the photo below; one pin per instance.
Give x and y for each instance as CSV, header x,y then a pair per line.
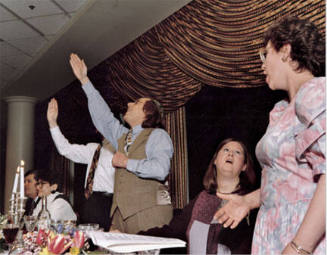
x,y
149,168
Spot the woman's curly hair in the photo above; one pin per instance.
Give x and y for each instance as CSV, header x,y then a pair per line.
x,y
307,43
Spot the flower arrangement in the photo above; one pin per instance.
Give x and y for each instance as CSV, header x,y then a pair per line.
x,y
65,240
49,242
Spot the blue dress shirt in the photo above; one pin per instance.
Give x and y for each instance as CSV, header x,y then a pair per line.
x,y
158,149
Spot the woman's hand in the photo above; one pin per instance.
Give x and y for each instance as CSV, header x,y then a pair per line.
x,y
52,113
79,68
232,213
237,207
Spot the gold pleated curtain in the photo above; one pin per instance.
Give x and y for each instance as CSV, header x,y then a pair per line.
x,y
207,42
61,166
178,178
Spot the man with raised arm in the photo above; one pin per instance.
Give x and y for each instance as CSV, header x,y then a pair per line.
x,y
100,174
142,159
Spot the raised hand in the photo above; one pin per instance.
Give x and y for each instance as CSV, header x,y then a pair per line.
x,y
232,213
79,68
52,113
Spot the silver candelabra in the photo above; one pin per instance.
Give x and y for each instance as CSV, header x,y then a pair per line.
x,y
16,215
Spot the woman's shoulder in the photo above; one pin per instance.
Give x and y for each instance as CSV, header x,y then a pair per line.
x,y
310,100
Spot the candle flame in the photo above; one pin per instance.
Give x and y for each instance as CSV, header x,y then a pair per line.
x,y
18,169
22,163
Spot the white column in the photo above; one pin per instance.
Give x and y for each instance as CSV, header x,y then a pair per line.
x,y
20,138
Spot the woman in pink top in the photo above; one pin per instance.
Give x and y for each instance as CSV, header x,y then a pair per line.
x,y
291,219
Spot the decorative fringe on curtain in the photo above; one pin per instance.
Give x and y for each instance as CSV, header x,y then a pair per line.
x,y
178,179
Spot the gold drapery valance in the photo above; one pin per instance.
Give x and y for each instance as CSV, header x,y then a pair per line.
x,y
143,69
217,42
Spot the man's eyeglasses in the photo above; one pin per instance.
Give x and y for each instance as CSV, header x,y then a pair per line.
x,y
263,55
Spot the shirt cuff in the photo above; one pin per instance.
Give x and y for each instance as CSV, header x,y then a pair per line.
x,y
88,87
55,129
131,165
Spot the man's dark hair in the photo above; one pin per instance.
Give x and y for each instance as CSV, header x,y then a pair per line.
x,y
307,43
153,115
35,172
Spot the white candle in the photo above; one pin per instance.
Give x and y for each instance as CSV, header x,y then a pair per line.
x,y
14,187
22,193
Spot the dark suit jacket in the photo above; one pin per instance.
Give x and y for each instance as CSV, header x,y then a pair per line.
x,y
30,205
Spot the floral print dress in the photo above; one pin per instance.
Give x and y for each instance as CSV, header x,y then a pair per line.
x,y
292,156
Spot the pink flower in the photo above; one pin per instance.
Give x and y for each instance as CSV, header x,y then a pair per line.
x,y
58,244
79,239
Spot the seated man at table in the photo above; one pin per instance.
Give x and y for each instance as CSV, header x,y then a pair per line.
x,y
30,180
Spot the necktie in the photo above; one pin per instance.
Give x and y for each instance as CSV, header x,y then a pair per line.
x,y
129,139
89,183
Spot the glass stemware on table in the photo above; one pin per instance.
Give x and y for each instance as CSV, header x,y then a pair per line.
x,y
29,221
63,226
10,231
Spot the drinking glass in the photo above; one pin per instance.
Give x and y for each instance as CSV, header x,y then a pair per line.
x,y
29,221
10,232
88,226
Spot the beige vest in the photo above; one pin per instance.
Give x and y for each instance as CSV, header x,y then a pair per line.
x,y
132,193
107,145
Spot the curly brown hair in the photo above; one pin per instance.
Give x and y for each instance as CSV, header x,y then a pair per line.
x,y
247,177
307,43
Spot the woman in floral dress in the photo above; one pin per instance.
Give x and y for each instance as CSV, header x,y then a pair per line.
x,y
292,198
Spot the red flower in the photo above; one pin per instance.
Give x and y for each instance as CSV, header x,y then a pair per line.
x,y
41,238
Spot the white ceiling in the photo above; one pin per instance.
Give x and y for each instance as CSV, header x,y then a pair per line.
x,y
37,36
26,27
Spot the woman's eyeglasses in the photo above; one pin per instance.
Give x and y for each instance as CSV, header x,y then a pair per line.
x,y
263,55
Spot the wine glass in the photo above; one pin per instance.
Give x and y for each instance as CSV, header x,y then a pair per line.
x,y
29,221
10,232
